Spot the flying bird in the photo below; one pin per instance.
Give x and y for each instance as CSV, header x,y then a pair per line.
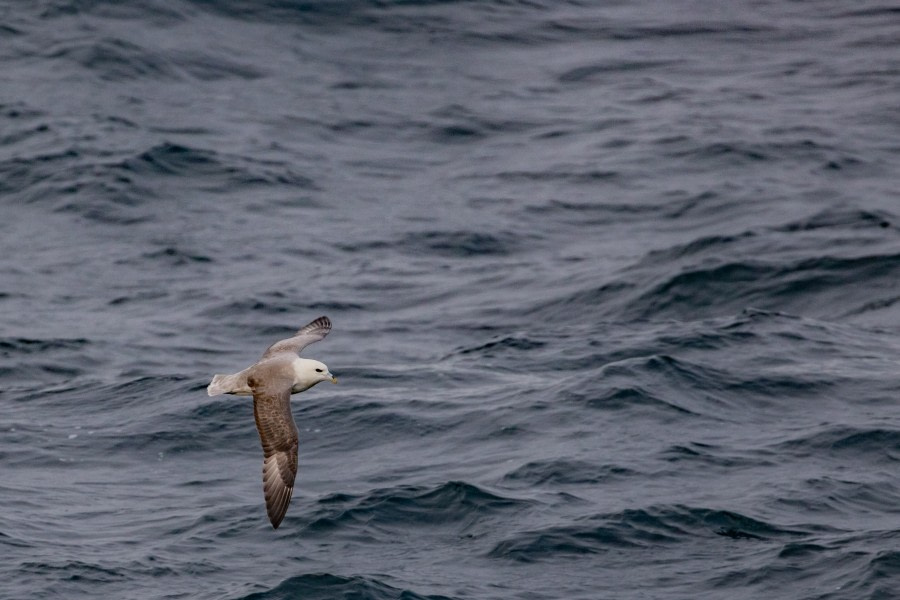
x,y
271,381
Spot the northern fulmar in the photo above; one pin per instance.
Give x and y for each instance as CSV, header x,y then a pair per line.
x,y
271,381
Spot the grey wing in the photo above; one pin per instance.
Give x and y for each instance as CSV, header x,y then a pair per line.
x,y
313,332
278,434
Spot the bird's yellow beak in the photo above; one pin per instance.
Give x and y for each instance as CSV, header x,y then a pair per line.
x,y
333,379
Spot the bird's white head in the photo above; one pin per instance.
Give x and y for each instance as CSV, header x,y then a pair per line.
x,y
308,373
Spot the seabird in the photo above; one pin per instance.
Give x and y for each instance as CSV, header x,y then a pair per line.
x,y
271,381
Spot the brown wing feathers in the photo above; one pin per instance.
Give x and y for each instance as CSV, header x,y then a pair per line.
x,y
306,335
322,325
278,435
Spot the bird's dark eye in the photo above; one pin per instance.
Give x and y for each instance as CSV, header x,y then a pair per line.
x,y
318,370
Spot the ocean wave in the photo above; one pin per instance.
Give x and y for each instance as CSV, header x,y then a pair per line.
x,y
736,285
101,187
494,347
454,244
600,71
816,286
874,445
841,218
634,529
208,427
75,570
325,586
833,574
183,161
563,471
412,507
840,497
113,59
716,456
26,346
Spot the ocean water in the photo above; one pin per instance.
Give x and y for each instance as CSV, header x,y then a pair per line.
x,y
615,290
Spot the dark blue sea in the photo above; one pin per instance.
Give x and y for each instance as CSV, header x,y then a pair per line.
x,y
615,288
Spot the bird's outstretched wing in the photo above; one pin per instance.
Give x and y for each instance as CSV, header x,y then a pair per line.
x,y
307,334
278,434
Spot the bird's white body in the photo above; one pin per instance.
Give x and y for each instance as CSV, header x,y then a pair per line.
x,y
307,373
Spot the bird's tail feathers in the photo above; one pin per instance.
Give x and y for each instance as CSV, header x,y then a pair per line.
x,y
220,384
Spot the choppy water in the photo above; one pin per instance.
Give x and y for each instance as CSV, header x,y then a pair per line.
x,y
616,293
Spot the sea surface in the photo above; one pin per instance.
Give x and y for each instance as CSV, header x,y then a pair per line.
x,y
615,290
